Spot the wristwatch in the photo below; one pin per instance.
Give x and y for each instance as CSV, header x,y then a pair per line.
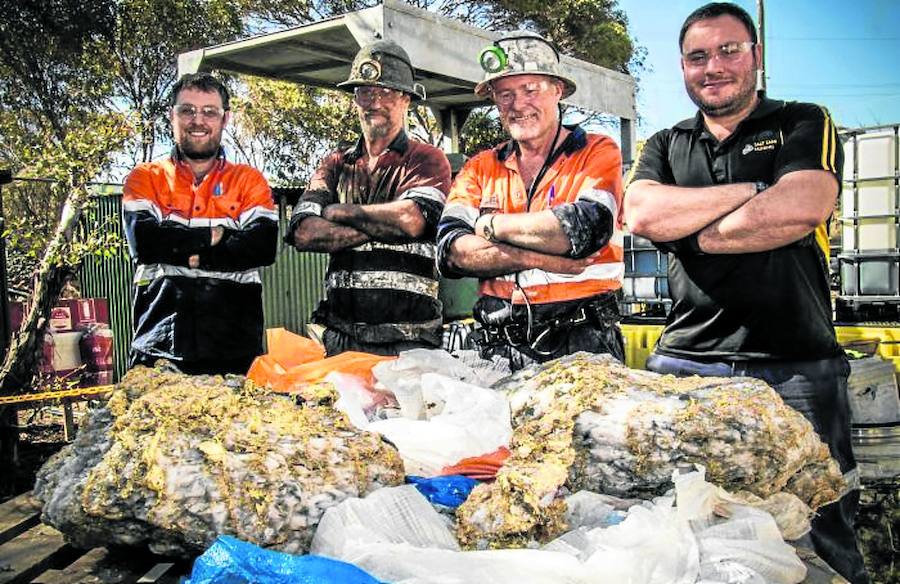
x,y
760,187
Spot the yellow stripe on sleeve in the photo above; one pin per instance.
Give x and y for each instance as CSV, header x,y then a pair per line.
x,y
828,145
834,146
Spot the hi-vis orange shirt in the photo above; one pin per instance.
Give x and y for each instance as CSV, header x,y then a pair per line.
x,y
214,310
587,172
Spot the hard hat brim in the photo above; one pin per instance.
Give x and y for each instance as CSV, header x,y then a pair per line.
x,y
350,85
483,89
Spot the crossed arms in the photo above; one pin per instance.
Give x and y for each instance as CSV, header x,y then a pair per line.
x,y
733,218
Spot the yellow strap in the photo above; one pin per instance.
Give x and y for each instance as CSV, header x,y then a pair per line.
x,y
82,392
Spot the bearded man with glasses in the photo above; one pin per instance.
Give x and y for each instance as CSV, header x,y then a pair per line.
x,y
538,219
374,207
740,196
199,228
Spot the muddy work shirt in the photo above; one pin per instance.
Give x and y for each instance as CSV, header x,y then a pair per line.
x,y
768,305
382,292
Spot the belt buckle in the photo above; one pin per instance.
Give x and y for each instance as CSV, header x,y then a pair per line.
x,y
580,316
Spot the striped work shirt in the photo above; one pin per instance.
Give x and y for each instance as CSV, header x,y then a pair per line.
x,y
382,292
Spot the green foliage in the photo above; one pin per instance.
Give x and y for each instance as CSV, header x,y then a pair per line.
x,y
481,131
47,47
286,129
594,30
147,37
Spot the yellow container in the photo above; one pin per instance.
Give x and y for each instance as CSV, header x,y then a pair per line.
x,y
639,342
640,339
888,339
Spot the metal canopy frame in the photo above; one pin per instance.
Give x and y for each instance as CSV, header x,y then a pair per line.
x,y
444,53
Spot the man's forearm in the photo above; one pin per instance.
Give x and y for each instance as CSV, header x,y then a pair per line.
x,y
388,222
323,236
667,213
782,214
540,231
480,258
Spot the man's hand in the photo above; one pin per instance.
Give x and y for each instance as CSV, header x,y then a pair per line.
x,y
216,234
565,265
194,261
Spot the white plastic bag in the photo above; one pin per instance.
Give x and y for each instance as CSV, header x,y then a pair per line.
x,y
738,543
403,376
651,546
461,420
395,535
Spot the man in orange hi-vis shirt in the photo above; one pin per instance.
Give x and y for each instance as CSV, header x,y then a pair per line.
x,y
538,219
199,228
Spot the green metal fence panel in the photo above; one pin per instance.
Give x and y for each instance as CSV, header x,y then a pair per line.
x,y
292,286
110,276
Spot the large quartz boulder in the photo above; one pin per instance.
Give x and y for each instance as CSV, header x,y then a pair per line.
x,y
588,422
172,461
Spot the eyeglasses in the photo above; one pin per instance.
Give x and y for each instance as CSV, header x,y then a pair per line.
x,y
186,112
529,92
727,53
366,94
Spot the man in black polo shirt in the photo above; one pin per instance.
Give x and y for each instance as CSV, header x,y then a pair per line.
x,y
740,197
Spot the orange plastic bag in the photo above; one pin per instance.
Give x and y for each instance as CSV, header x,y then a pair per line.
x,y
351,363
293,361
482,467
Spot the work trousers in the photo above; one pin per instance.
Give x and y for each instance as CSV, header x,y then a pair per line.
x,y
818,390
590,337
336,342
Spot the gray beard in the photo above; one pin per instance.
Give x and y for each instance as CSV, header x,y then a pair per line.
x,y
376,132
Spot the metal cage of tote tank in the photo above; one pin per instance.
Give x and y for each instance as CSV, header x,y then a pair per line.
x,y
646,284
444,53
870,226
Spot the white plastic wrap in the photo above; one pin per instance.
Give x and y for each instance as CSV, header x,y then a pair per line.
x,y
403,376
460,420
396,535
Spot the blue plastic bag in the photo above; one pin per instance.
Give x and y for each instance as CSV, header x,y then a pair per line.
x,y
232,561
449,491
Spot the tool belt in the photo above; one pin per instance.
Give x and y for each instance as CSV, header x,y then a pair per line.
x,y
542,328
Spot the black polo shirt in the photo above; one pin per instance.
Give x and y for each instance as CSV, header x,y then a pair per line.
x,y
767,305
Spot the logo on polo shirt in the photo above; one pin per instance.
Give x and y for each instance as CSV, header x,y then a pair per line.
x,y
760,146
766,140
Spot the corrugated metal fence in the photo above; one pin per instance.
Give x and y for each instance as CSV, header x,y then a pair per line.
x,y
292,287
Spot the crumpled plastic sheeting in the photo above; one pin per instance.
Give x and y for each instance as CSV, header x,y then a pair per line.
x,y
232,561
459,420
396,536
738,541
403,376
447,491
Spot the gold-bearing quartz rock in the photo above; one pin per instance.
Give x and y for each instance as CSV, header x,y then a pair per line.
x,y
172,460
588,422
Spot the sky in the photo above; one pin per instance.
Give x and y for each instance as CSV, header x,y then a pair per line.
x,y
842,54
